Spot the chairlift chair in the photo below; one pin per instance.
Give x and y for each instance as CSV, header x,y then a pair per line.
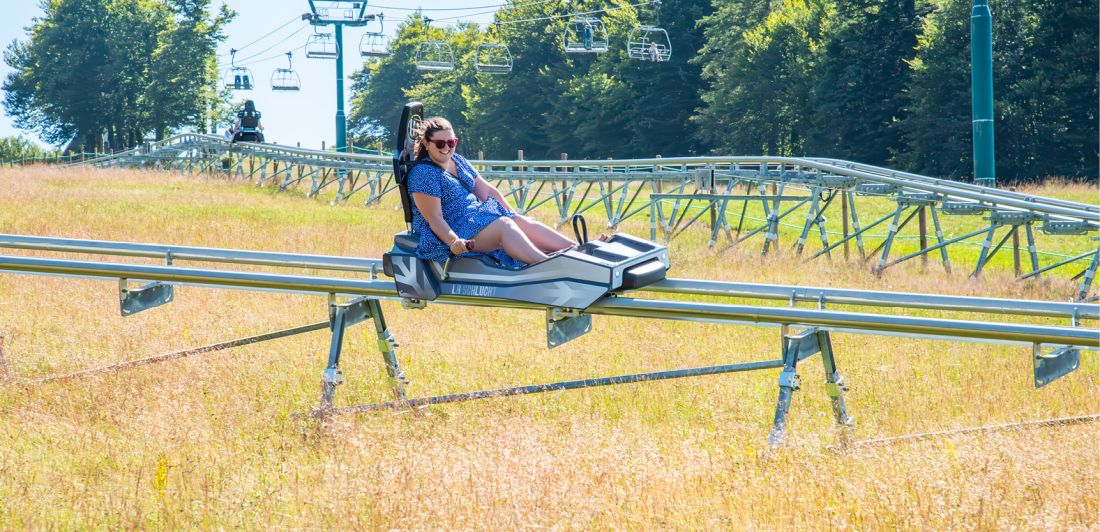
x,y
585,35
286,79
322,46
434,56
493,58
237,78
375,43
649,43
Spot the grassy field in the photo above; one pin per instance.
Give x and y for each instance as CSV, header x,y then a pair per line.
x,y
210,441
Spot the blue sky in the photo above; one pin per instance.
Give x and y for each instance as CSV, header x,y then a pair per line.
x,y
307,116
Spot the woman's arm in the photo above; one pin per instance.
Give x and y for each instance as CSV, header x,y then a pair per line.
x,y
432,211
484,189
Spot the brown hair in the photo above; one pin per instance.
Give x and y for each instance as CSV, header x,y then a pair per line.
x,y
428,128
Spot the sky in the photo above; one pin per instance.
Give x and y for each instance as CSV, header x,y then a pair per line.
x,y
307,116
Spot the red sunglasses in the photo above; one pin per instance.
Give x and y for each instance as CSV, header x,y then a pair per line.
x,y
450,143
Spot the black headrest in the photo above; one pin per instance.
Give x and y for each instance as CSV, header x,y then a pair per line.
x,y
407,132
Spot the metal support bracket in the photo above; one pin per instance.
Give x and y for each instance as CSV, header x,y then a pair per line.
x,y
134,300
1054,365
1066,227
563,325
355,311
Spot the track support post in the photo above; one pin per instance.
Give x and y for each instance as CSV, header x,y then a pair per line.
x,y
342,316
798,347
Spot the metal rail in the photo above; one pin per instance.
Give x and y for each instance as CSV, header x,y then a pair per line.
x,y
791,293
959,184
615,306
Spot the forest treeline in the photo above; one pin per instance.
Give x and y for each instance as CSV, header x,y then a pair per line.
x,y
884,82
97,73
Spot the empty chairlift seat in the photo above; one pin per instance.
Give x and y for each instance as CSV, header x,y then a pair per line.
x,y
322,46
286,79
434,56
493,58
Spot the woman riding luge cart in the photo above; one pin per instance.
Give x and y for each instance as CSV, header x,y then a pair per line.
x,y
465,240
248,127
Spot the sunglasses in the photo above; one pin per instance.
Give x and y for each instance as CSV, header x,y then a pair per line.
x,y
439,144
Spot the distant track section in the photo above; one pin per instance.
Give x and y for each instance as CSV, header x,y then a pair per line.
x,y
787,195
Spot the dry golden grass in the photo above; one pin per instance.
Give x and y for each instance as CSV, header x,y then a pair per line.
x,y
210,442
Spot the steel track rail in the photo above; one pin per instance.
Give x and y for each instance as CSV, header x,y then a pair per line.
x,y
868,173
939,188
959,184
613,306
373,267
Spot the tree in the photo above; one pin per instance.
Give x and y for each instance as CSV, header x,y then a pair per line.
x,y
1044,90
761,76
123,67
858,94
15,148
179,87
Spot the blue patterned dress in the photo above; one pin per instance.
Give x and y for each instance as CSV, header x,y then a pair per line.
x,y
463,212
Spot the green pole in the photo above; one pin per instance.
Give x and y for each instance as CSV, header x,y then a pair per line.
x,y
981,92
341,123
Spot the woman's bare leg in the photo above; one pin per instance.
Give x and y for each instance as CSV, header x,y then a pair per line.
x,y
541,235
505,233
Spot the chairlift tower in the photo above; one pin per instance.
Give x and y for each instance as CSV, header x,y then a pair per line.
x,y
339,13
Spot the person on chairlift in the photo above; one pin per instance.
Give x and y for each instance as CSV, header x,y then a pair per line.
x,y
248,127
457,212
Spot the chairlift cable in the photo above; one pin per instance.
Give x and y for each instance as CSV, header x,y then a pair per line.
x,y
285,24
470,8
271,57
549,17
287,38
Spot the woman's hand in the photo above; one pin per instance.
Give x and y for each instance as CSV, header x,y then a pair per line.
x,y
460,246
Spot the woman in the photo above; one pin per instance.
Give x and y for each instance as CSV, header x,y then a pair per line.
x,y
456,211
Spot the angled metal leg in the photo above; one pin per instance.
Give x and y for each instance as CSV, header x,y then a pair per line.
x,y
789,382
798,347
772,236
855,224
986,245
333,377
890,237
388,345
1031,249
939,239
811,217
835,386
820,221
1089,275
343,316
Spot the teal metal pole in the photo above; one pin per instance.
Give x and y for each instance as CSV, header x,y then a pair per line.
x,y
341,123
981,92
